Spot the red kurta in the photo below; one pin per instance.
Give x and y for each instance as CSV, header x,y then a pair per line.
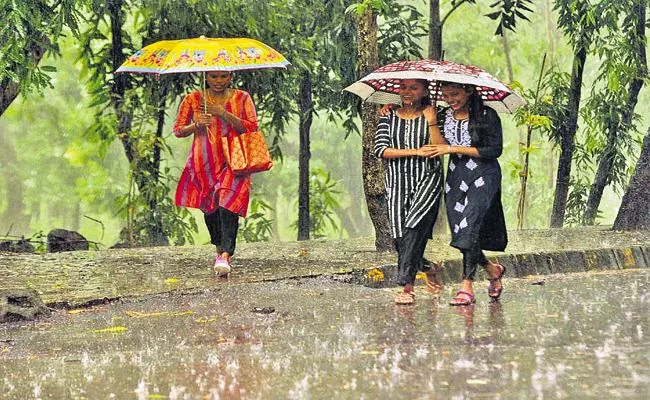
x,y
207,182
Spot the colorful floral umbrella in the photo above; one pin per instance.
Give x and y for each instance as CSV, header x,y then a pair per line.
x,y
202,55
382,85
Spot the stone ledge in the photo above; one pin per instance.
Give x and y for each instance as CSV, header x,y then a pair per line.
x,y
543,263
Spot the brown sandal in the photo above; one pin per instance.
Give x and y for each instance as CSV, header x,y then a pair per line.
x,y
432,281
466,299
495,292
405,298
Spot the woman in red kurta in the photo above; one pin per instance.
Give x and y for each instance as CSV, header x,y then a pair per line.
x,y
207,182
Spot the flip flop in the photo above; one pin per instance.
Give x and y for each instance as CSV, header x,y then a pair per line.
x,y
463,301
405,298
494,292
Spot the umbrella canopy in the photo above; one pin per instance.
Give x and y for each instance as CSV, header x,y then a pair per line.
x,y
202,55
382,85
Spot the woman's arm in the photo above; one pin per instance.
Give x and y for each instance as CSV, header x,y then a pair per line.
x,y
431,115
382,147
442,149
185,124
424,151
491,144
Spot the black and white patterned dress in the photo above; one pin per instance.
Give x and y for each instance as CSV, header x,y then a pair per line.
x,y
413,184
473,188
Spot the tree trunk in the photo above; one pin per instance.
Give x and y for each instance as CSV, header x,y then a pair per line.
x,y
567,134
506,53
145,172
372,168
435,30
634,213
118,89
9,90
156,232
606,162
435,53
304,154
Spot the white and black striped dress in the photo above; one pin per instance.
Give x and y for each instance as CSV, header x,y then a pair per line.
x,y
413,184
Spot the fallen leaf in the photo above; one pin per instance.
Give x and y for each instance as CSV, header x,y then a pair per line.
x,y
171,281
204,320
138,314
112,329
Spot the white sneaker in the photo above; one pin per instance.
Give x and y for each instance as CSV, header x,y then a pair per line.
x,y
221,266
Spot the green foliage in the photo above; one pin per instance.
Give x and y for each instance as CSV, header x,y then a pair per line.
x,y
323,194
28,29
171,222
257,227
61,172
360,8
508,13
576,202
549,112
610,126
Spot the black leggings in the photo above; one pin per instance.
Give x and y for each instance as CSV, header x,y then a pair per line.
x,y
471,258
410,248
222,226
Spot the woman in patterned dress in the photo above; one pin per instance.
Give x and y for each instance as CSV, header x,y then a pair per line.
x,y
474,141
207,182
413,178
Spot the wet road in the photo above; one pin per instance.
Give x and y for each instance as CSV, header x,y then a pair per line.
x,y
75,278
577,336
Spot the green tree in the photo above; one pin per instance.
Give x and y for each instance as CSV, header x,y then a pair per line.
x,y
29,30
579,21
133,108
624,70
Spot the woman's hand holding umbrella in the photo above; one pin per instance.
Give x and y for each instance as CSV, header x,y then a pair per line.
x,y
203,120
214,109
220,111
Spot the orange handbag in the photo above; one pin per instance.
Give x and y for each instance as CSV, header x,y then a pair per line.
x,y
247,153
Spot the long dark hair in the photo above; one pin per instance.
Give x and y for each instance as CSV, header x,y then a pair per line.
x,y
426,100
475,107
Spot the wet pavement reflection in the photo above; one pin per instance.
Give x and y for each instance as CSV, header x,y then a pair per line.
x,y
577,336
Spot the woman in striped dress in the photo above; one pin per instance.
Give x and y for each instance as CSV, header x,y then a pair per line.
x,y
207,182
474,141
413,178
